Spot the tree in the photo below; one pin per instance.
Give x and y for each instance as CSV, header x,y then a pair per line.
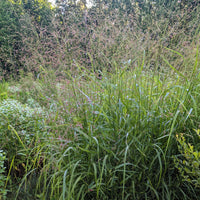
x,y
40,11
17,17
9,37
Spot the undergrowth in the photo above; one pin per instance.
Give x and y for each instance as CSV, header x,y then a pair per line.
x,y
119,120
113,138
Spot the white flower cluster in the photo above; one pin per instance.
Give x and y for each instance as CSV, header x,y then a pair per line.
x,y
14,89
22,117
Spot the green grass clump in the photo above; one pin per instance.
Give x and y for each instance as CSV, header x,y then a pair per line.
x,y
115,138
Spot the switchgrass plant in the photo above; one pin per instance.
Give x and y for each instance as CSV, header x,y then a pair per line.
x,y
101,41
115,138
112,100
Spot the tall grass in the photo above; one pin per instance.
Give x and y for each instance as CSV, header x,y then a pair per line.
x,y
111,116
114,138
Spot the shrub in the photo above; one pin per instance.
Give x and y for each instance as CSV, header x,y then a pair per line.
x,y
21,118
22,127
188,165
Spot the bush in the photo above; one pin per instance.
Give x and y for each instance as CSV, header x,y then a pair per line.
x,y
26,121
22,127
188,165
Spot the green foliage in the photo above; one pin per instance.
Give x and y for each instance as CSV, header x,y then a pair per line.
x,y
21,129
10,39
110,135
2,175
3,90
16,117
170,11
115,138
189,162
40,11
17,17
152,14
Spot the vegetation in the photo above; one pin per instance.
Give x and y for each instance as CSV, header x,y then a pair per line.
x,y
100,102
17,17
2,176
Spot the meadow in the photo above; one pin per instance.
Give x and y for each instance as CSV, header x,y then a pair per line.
x,y
109,115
